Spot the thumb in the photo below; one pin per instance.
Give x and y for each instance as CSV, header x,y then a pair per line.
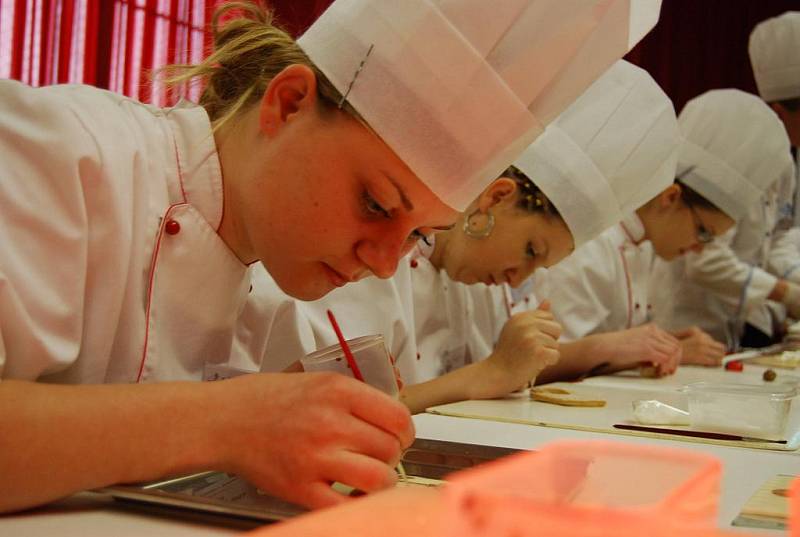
x,y
544,306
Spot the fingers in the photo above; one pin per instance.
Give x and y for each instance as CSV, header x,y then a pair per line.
x,y
551,328
369,440
318,495
382,411
547,357
360,472
536,320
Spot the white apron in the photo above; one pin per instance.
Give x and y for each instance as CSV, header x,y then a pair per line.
x,y
111,267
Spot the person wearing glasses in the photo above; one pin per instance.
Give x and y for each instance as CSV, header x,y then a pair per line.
x,y
736,156
608,297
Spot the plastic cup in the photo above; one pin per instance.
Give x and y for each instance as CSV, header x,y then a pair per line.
x,y
370,355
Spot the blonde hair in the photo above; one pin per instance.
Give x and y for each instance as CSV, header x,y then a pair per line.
x,y
249,51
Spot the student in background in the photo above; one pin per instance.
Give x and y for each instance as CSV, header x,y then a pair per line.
x,y
775,57
736,156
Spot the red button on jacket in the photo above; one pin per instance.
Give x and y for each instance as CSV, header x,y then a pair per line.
x,y
172,227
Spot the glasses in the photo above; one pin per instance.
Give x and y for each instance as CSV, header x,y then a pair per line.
x,y
704,236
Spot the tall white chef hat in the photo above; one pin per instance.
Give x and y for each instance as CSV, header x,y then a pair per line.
x,y
609,153
734,148
458,88
775,55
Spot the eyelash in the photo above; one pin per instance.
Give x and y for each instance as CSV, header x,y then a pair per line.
x,y
530,252
374,208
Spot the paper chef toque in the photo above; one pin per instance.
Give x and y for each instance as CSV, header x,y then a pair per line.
x,y
734,148
608,154
458,88
775,55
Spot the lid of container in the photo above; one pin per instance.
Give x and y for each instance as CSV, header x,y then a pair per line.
x,y
355,345
777,390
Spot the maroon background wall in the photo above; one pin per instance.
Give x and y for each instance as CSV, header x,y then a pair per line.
x,y
698,44
702,44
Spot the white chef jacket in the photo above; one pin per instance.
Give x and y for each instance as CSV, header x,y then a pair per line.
x,y
603,286
111,267
431,325
727,284
456,324
271,333
370,306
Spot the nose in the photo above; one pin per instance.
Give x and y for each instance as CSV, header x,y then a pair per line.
x,y
382,253
517,275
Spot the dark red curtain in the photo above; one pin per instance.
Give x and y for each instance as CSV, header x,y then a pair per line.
x,y
297,15
698,44
702,44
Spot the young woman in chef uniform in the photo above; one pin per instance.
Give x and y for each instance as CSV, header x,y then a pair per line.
x,y
736,155
775,56
127,231
609,290
614,148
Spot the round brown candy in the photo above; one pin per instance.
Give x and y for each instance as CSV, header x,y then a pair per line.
x,y
769,375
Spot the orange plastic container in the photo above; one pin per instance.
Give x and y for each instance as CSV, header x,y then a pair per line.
x,y
794,509
567,489
586,489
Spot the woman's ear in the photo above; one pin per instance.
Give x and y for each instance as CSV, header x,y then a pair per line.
x,y
670,196
502,190
290,92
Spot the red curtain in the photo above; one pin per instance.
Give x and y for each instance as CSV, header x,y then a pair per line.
x,y
297,15
702,44
113,44
698,44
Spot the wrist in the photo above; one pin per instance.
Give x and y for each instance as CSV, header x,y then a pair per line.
x,y
479,378
199,429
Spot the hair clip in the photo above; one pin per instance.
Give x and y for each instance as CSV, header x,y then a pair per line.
x,y
358,71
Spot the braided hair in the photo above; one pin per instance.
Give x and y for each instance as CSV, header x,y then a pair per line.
x,y
531,198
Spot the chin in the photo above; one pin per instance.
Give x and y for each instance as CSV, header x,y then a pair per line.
x,y
670,256
306,289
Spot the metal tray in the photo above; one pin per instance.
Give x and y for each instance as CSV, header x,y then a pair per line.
x,y
218,493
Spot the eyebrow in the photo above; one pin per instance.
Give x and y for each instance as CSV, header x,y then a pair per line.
x,y
406,202
410,206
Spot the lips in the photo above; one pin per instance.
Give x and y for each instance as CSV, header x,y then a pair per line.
x,y
335,277
340,278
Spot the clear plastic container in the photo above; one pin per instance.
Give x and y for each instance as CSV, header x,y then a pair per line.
x,y
768,412
371,356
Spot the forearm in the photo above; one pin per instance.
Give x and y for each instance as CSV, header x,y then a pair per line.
x,y
582,356
454,386
56,439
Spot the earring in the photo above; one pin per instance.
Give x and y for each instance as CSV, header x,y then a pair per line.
x,y
472,226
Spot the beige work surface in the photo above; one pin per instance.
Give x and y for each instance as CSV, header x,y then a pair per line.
x,y
619,392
